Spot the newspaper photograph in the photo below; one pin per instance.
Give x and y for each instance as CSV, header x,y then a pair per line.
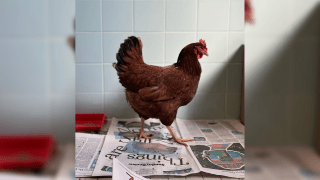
x,y
217,147
146,157
88,147
220,159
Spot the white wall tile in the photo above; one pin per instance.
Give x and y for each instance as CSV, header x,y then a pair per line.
x,y
62,107
213,15
62,89
181,15
213,78
303,111
88,15
88,47
26,71
153,47
62,15
235,74
236,47
111,45
149,15
116,105
88,78
62,68
209,106
117,15
304,16
270,118
37,68
217,46
306,66
89,103
274,19
236,15
233,106
24,113
188,111
111,80
175,42
17,17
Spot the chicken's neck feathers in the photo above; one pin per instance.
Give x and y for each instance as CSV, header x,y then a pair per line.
x,y
189,65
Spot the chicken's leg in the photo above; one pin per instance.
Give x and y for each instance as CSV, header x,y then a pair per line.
x,y
142,134
178,140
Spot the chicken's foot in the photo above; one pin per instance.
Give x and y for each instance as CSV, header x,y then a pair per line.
x,y
142,134
178,139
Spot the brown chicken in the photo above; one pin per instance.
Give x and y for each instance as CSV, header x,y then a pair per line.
x,y
158,92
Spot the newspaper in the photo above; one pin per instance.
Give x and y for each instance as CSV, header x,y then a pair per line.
x,y
121,172
146,157
218,145
218,148
88,147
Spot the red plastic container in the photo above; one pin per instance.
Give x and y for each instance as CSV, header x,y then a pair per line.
x,y
25,151
89,122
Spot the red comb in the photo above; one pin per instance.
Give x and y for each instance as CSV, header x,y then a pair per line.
x,y
202,42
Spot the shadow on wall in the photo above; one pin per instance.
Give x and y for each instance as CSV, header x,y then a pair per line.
x,y
210,101
282,106
238,56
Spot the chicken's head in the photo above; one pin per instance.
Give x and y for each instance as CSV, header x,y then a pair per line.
x,y
201,49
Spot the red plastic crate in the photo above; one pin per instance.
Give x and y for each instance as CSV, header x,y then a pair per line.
x,y
89,122
25,151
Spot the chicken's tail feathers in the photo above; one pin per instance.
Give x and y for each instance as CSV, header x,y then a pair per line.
x,y
130,50
116,67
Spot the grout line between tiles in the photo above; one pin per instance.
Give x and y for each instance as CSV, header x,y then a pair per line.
x,y
88,63
103,104
89,93
114,92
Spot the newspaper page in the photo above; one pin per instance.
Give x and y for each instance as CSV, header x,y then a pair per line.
x,y
146,157
121,172
88,147
218,145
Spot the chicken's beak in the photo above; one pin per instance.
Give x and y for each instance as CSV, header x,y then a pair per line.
x,y
206,53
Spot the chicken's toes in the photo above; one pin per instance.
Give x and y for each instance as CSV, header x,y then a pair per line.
x,y
186,140
150,135
143,135
181,142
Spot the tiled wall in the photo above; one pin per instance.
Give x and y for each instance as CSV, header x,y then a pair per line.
x,y
37,67
165,27
282,73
